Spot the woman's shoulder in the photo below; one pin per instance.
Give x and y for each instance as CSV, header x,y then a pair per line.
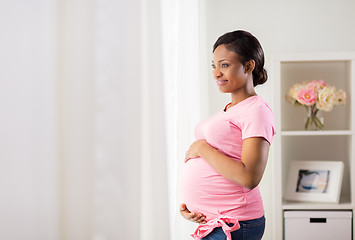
x,y
253,105
260,103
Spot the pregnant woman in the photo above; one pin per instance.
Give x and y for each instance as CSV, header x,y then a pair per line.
x,y
225,164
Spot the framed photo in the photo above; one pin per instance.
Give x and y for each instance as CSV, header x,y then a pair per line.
x,y
315,181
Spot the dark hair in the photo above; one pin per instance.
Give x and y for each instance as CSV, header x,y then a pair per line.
x,y
248,48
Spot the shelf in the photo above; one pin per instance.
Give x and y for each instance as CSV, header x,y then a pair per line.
x,y
318,133
336,142
344,204
301,57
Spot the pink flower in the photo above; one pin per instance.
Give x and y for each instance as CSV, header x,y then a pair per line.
x,y
321,83
316,85
307,97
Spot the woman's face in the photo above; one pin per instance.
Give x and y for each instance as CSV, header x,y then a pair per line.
x,y
229,72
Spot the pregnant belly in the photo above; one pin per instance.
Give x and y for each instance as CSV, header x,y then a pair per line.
x,y
205,190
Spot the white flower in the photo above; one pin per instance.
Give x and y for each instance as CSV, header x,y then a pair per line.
x,y
326,98
340,97
292,94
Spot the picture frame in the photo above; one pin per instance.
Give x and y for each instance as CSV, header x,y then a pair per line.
x,y
315,181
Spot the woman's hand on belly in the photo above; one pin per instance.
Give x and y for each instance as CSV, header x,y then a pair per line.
x,y
192,216
193,151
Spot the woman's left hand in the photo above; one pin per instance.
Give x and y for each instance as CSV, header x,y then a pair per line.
x,y
194,149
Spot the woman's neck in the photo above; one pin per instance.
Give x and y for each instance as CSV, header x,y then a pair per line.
x,y
238,97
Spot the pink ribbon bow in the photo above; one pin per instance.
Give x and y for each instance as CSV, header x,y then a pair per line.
x,y
221,221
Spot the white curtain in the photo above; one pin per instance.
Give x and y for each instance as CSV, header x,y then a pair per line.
x,y
180,24
130,194
147,82
28,121
98,99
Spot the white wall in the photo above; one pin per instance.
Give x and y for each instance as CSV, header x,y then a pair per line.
x,y
28,121
280,26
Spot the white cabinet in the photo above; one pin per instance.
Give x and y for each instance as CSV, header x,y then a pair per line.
x,y
311,225
334,143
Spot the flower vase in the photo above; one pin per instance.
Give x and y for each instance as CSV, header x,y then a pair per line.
x,y
313,122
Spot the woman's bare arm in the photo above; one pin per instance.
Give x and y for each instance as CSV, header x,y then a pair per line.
x,y
248,172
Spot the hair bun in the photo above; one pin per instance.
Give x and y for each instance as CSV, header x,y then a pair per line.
x,y
259,77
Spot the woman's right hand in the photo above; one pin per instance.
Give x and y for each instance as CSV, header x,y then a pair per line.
x,y
191,216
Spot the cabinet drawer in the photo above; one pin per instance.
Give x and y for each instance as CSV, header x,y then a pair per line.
x,y
310,225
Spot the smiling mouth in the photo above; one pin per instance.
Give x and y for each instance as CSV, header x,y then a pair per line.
x,y
221,82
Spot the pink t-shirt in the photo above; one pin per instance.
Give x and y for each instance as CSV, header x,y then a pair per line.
x,y
202,188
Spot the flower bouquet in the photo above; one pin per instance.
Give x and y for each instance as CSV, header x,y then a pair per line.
x,y
315,96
